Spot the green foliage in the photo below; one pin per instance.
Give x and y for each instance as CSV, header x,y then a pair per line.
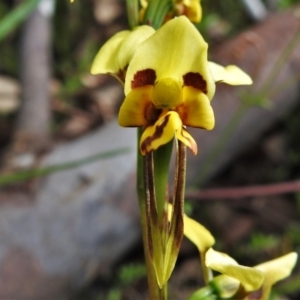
x,y
287,3
156,12
74,47
34,173
127,275
114,294
130,273
12,20
228,17
262,242
9,22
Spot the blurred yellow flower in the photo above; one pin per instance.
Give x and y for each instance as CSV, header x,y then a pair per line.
x,y
190,8
258,279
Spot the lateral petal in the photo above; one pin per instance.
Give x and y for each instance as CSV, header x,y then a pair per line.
x,y
198,234
176,49
117,52
275,270
137,108
196,111
193,10
105,60
230,74
250,278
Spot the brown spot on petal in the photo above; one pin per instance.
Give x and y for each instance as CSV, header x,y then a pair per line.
x,y
159,129
121,74
143,77
196,81
151,113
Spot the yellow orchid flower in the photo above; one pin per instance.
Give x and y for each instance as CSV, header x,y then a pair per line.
x,y
168,81
258,279
250,278
169,85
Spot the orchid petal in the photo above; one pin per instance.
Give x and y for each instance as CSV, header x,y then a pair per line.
x,y
198,234
144,3
196,110
176,50
250,278
275,270
231,74
193,10
166,127
105,61
136,109
117,52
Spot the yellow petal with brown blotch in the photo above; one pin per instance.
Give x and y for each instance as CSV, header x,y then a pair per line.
x,y
176,51
196,111
137,108
166,127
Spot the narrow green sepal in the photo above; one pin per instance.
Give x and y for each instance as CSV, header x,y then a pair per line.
x,y
156,12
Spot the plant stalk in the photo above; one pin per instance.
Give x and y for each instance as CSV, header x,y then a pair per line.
x,y
155,293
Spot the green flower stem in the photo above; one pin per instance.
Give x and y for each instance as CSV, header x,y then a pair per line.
x,y
206,272
133,13
156,12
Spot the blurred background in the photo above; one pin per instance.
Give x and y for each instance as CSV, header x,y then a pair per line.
x,y
69,226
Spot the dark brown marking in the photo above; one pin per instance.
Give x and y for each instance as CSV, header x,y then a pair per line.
x,y
159,129
142,78
151,113
121,74
196,81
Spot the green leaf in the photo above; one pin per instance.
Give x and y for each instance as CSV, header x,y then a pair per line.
x,y
156,12
205,293
133,12
18,15
34,173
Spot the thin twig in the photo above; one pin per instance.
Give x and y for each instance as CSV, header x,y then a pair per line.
x,y
242,192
